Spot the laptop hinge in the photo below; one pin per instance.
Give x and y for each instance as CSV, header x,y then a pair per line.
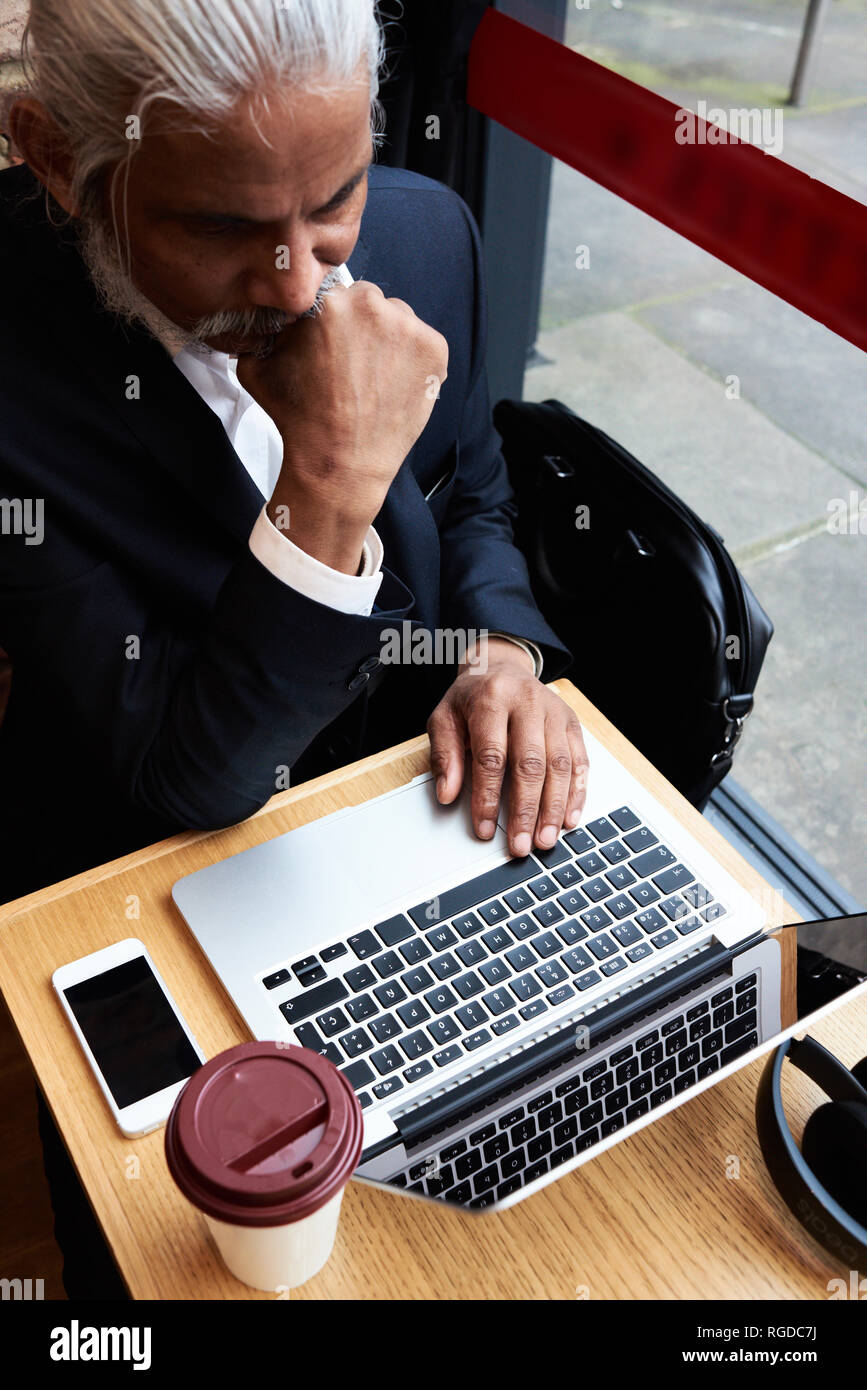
x,y
481,1090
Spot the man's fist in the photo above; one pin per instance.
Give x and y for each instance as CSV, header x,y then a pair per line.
x,y
350,390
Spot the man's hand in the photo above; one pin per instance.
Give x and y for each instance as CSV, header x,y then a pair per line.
x,y
350,390
506,717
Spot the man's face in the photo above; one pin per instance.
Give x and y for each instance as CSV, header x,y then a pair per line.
x,y
236,224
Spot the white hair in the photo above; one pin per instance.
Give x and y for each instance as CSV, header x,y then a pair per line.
x,y
93,64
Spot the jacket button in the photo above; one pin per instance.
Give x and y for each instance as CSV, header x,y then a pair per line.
x,y
370,664
358,680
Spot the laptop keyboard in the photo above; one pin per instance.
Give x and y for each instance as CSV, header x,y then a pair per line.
x,y
426,988
525,1141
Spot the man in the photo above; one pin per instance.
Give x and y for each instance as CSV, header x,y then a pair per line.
x,y
229,468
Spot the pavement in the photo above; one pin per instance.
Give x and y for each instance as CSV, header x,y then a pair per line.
x,y
644,341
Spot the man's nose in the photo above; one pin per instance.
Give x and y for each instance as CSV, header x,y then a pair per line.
x,y
290,283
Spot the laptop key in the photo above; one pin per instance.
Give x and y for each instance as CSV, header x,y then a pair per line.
x,y
572,901
364,944
626,934
707,1067
387,964
721,997
440,938
611,967
332,1022
416,1072
660,1097
311,975
553,856
529,1011
697,895
505,1025
672,1025
675,877
385,1028
523,926
499,1001
620,876
559,996
390,994
394,930
471,1016
417,980
624,818
551,973
547,914
446,966
386,1060
620,907
591,863
612,1125
493,912
443,1030
713,912
280,977
683,1082
493,971
689,924
360,978
634,1112
551,1115
447,1056
355,1042
520,957
309,1036
562,1155
497,939
358,1074
567,1129
387,1087
471,952
640,838
642,1085
597,888
525,987
519,899
712,1043
675,907
546,945
468,985
440,999
364,1100
413,1012
644,894
663,939
650,921
474,1040
361,1008
626,1070
467,925
741,1026
543,887
746,983
416,1045
414,951
592,977
602,829
332,952
651,861
602,946
699,1029
568,875
319,997
595,919
570,932
579,841
614,851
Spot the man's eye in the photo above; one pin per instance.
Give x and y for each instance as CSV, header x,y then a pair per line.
x,y
215,228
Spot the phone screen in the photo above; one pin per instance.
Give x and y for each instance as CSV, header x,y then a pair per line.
x,y
132,1031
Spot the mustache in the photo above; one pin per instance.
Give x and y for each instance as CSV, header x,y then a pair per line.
x,y
243,323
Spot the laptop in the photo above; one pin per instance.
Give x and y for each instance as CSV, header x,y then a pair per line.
x,y
501,1020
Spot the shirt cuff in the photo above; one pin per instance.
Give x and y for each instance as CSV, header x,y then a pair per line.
x,y
347,593
529,647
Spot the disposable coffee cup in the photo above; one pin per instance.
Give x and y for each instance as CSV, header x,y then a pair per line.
x,y
262,1140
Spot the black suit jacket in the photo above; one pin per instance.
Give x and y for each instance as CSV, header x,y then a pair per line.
x,y
110,743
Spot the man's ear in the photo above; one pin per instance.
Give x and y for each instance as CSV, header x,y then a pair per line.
x,y
41,143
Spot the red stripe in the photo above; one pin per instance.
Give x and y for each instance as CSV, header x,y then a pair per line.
x,y
796,236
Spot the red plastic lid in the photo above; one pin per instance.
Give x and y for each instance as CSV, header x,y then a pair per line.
x,y
264,1134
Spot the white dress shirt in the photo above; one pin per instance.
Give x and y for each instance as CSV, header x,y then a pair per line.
x,y
259,445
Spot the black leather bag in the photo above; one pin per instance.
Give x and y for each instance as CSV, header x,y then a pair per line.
x,y
667,638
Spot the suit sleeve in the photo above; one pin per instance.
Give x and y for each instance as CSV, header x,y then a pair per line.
x,y
483,576
189,727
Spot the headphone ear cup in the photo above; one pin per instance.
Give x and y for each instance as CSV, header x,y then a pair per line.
x,y
859,1071
834,1146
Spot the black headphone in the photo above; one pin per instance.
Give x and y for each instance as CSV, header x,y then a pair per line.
x,y
824,1183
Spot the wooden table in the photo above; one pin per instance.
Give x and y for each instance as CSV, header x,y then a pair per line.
x,y
654,1217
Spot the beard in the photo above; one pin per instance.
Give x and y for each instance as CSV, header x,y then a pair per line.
x,y
119,295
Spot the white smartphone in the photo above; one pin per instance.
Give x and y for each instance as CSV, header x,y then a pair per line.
x,y
132,1034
